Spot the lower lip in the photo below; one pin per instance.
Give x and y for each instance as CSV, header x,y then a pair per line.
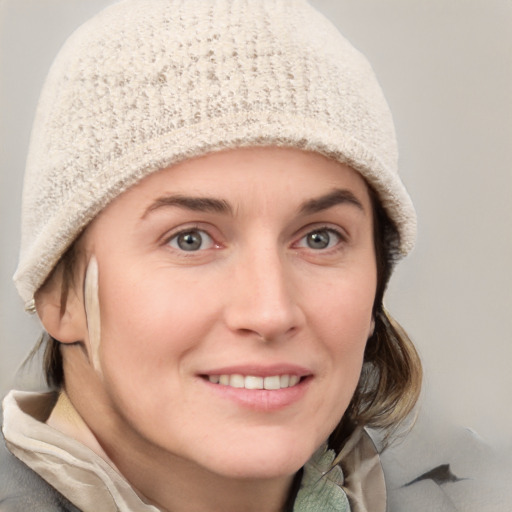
x,y
261,399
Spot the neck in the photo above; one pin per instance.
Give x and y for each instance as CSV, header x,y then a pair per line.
x,y
160,478
178,486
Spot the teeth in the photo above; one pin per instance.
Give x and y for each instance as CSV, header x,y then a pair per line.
x,y
253,382
272,382
237,381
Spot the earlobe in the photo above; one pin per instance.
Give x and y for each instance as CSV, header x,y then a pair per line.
x,y
62,315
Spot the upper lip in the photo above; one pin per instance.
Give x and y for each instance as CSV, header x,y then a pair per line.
x,y
260,370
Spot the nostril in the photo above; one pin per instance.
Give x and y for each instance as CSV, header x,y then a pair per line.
x,y
268,335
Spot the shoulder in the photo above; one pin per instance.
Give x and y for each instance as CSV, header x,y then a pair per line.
x,y
449,468
22,489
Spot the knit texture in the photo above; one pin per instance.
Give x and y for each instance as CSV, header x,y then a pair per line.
x,y
148,83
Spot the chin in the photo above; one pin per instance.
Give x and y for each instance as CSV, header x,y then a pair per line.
x,y
258,470
260,460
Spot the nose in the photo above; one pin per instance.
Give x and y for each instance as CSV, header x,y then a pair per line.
x,y
263,301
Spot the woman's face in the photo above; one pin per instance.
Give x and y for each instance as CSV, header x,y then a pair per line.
x,y
236,295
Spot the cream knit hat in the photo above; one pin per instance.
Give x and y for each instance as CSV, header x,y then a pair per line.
x,y
147,83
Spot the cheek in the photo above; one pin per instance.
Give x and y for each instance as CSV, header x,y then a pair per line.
x,y
344,304
150,323
343,319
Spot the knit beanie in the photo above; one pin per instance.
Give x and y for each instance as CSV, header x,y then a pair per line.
x,y
148,83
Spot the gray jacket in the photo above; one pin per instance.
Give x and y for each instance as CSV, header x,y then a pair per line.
x,y
22,490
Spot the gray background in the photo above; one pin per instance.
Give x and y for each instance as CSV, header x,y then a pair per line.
x,y
446,69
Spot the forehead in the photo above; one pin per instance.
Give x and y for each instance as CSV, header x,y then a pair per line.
x,y
245,174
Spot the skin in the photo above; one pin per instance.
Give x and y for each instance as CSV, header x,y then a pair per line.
x,y
258,292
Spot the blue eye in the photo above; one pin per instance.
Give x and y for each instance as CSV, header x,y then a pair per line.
x,y
320,239
192,240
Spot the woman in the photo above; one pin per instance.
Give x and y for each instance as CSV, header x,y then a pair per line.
x,y
211,216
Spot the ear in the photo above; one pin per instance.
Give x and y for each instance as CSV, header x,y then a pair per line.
x,y
62,314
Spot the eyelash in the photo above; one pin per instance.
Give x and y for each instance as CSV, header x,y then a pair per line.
x,y
302,242
341,237
190,230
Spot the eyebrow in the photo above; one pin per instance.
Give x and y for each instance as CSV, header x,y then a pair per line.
x,y
336,197
213,205
196,204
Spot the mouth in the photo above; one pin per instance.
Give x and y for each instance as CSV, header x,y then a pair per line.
x,y
262,388
254,382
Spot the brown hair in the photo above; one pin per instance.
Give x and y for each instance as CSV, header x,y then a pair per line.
x,y
391,375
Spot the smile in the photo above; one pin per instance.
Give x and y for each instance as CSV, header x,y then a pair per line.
x,y
272,382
